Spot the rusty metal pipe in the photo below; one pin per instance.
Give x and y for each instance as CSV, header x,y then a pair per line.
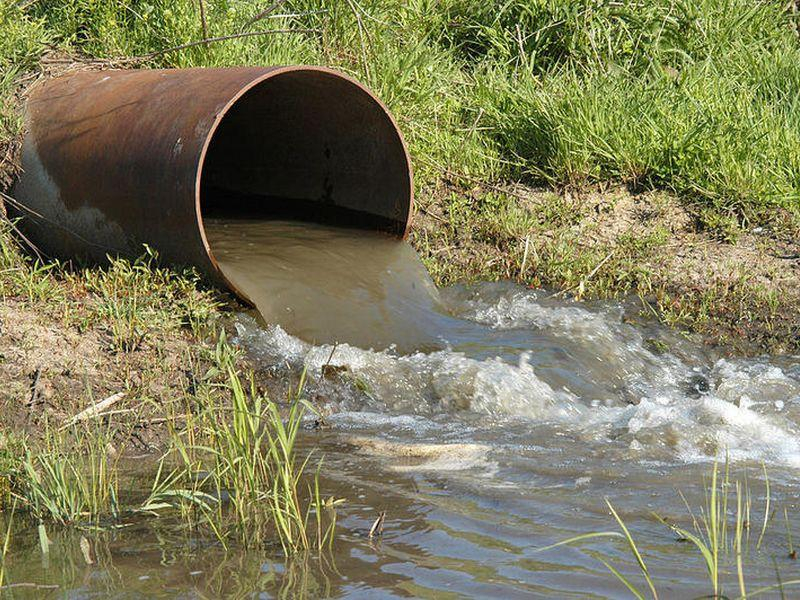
x,y
116,159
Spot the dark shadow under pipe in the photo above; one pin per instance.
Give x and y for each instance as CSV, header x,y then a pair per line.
x,y
116,159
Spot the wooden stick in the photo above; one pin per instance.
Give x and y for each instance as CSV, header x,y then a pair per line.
x,y
267,11
525,256
203,22
95,410
204,42
584,280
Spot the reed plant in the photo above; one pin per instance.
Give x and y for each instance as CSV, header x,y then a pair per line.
x,y
719,532
232,468
242,476
71,478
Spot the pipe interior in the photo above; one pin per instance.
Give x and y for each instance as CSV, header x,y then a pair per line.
x,y
308,145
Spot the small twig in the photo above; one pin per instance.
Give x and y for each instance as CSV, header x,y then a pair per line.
x,y
206,41
264,13
37,374
363,34
584,280
431,215
377,527
475,123
6,198
328,362
21,207
38,586
525,256
148,422
203,22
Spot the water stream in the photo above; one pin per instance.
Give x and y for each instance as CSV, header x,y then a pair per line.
x,y
492,420
488,421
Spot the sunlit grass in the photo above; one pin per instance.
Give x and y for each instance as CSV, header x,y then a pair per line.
x,y
695,97
243,461
720,533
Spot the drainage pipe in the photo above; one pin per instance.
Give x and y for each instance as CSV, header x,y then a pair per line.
x,y
116,159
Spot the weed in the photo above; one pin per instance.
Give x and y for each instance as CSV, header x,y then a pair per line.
x,y
713,535
67,486
132,299
241,476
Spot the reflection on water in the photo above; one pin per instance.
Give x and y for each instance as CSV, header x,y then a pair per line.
x,y
494,428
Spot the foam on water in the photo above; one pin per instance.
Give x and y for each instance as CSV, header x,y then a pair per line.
x,y
664,406
503,363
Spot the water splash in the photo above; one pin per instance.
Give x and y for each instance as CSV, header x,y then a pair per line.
x,y
562,373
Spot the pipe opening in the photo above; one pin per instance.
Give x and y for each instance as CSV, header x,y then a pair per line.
x,y
308,144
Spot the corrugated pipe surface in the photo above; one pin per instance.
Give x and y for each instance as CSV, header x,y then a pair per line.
x,y
116,159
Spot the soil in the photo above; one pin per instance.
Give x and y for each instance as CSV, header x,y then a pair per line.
x,y
51,372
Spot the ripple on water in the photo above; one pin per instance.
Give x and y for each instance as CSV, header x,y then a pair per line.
x,y
607,383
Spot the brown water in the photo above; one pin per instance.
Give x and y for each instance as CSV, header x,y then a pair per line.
x,y
501,433
328,284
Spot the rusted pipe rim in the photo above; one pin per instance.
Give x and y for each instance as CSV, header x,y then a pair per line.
x,y
277,72
116,159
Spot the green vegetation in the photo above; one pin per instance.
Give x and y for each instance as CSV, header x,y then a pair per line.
x,y
235,472
229,467
697,97
245,450
689,107
720,531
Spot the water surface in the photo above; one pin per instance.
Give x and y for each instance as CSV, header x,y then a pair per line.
x,y
331,284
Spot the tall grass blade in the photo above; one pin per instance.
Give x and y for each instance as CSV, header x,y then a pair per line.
x,y
634,550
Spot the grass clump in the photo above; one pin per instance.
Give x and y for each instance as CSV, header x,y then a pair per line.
x,y
68,488
248,483
232,468
132,299
720,531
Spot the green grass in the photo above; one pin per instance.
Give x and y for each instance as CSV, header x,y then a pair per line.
x,y
132,299
698,96
231,468
245,451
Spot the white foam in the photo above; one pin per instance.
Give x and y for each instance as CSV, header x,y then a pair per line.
x,y
745,409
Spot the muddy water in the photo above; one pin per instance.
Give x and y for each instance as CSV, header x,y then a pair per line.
x,y
501,435
328,284
505,415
